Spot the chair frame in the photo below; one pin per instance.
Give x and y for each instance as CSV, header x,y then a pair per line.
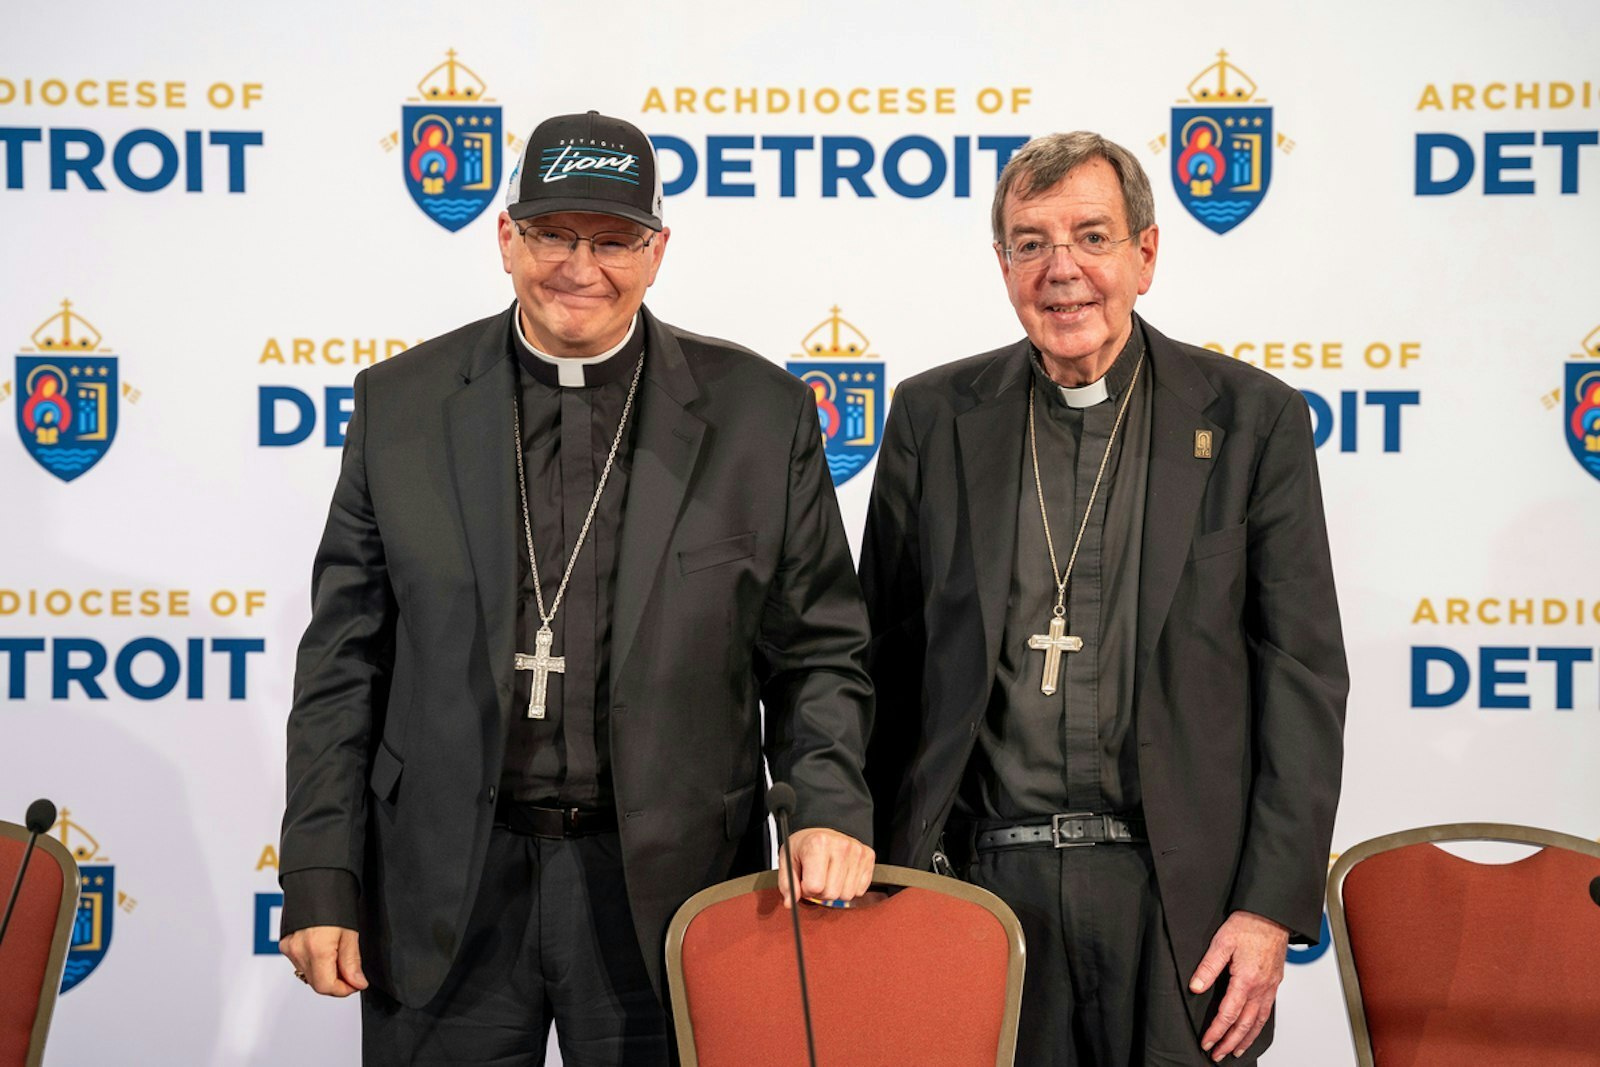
x,y
882,874
1455,831
60,940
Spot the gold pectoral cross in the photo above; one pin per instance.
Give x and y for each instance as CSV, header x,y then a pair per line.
x,y
1052,645
543,664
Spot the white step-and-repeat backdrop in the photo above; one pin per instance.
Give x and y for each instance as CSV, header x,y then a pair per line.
x,y
212,218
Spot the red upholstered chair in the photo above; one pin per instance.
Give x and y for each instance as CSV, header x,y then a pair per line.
x,y
35,948
1450,962
931,976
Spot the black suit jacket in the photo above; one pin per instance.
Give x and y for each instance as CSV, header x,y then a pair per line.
x,y
1240,679
734,585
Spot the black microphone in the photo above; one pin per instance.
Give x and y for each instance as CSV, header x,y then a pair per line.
x,y
41,816
1594,890
781,802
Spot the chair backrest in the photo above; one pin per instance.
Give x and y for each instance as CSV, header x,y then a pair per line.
x,y
1448,961
929,975
34,951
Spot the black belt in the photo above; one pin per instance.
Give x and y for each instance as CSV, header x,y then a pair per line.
x,y
534,821
1071,829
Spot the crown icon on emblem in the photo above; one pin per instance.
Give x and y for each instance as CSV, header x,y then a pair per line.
x,y
835,336
451,80
57,334
79,842
1227,83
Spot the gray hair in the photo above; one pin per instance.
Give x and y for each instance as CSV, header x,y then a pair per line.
x,y
1041,163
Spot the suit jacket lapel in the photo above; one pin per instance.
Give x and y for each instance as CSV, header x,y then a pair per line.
x,y
1176,484
478,427
990,435
666,443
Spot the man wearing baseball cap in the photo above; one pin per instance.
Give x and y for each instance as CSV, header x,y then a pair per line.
x,y
571,551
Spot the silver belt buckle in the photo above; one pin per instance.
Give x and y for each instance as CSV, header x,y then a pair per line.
x,y
1062,837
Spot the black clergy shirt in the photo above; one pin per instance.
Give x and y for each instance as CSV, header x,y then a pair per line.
x,y
1037,755
564,759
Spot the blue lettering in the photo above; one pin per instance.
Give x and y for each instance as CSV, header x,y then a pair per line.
x,y
1003,148
171,669
338,403
267,409
1321,418
833,171
1564,658
64,673
83,166
688,163
1569,141
17,674
936,167
787,148
1461,676
1495,161
121,160
14,137
1391,401
1427,145
718,165
236,141
1312,953
1491,678
266,905
236,649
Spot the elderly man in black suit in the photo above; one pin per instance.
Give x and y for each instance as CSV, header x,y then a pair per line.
x,y
1110,674
571,551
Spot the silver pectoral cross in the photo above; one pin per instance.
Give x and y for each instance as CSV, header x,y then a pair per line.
x,y
542,664
1052,645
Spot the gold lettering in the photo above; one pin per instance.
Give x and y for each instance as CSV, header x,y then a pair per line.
x,y
1424,612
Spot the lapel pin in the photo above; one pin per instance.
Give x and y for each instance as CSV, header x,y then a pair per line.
x,y
1202,444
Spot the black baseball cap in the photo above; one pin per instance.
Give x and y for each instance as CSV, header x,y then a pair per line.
x,y
588,162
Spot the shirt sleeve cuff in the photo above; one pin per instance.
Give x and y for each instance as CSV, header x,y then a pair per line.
x,y
319,896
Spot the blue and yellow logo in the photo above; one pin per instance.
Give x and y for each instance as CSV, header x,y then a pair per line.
x,y
67,395
452,157
850,393
1582,411
1221,147
98,901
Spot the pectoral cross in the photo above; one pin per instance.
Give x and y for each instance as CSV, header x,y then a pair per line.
x,y
542,664
1052,645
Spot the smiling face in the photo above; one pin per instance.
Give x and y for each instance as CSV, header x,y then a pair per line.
x,y
577,307
1078,309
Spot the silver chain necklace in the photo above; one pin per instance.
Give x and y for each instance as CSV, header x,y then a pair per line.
x,y
1056,640
542,663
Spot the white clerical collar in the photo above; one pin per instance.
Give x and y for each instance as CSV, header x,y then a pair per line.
x,y
570,369
1085,396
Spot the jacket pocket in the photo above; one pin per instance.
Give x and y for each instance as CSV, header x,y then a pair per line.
x,y
716,553
737,808
385,777
1218,542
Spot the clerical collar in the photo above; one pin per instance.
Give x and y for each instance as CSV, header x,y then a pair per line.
x,y
1108,385
614,364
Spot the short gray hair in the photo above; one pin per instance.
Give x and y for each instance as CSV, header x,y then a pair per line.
x,y
1041,163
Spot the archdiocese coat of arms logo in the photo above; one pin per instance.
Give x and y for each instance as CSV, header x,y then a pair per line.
x,y
1221,147
98,901
850,393
450,141
1582,408
67,394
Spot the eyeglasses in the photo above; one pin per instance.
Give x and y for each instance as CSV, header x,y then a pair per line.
x,y
556,244
1032,253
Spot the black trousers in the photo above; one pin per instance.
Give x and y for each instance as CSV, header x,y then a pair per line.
x,y
1101,988
550,940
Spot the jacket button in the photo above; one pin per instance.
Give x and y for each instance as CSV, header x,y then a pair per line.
x,y
491,794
